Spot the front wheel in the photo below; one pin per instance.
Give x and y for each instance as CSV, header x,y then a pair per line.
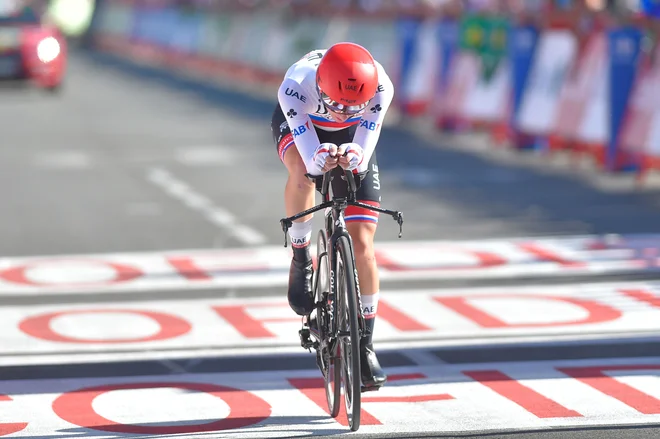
x,y
329,353
348,326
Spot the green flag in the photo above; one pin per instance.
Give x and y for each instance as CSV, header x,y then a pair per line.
x,y
485,36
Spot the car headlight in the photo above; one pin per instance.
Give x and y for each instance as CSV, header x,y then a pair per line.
x,y
48,49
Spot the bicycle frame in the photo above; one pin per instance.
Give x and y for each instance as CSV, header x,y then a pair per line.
x,y
329,340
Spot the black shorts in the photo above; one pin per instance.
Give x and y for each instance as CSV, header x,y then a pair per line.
x,y
369,191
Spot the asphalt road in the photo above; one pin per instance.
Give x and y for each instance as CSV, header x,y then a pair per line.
x,y
131,160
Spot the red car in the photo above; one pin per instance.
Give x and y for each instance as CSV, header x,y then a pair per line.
x,y
31,49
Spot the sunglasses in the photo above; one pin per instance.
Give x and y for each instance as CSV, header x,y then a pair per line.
x,y
336,107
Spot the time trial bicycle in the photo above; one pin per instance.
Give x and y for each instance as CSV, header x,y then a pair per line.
x,y
338,324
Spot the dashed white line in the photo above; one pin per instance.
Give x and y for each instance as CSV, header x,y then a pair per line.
x,y
198,202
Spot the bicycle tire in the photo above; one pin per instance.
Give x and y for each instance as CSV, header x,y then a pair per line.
x,y
331,374
350,358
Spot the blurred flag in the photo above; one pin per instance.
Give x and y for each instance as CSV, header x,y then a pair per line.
x,y
650,7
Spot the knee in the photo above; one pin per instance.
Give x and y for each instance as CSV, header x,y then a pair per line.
x,y
362,235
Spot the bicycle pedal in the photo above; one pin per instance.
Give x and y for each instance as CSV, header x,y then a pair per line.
x,y
305,340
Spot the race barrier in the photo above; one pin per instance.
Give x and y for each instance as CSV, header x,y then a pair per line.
x,y
537,87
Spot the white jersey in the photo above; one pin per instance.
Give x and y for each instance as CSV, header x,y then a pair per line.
x,y
303,108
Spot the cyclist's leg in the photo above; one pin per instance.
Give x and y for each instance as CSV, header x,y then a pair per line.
x,y
298,196
361,224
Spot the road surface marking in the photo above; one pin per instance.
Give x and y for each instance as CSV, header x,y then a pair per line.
x,y
214,214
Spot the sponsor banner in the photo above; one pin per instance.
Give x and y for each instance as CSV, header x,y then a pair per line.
x,y
640,135
556,53
463,78
650,8
447,34
582,113
624,54
577,311
594,128
418,85
522,46
269,266
440,399
485,37
407,31
485,101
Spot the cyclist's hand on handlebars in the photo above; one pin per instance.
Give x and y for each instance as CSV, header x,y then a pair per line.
x,y
325,157
350,155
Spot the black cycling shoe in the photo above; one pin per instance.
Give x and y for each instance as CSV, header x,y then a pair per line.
x,y
372,374
300,292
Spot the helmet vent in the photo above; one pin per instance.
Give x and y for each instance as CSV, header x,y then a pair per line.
x,y
361,87
339,85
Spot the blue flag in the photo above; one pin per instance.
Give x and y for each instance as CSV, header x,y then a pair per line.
x,y
650,7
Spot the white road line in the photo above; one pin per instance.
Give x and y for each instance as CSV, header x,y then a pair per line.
x,y
205,156
197,202
63,160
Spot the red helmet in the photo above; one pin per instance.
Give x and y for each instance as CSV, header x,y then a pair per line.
x,y
347,78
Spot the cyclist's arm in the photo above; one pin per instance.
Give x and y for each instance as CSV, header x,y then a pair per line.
x,y
368,131
296,106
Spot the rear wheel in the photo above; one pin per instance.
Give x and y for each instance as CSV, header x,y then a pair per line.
x,y
329,353
348,326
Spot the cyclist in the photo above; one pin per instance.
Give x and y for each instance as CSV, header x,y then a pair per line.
x,y
331,109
